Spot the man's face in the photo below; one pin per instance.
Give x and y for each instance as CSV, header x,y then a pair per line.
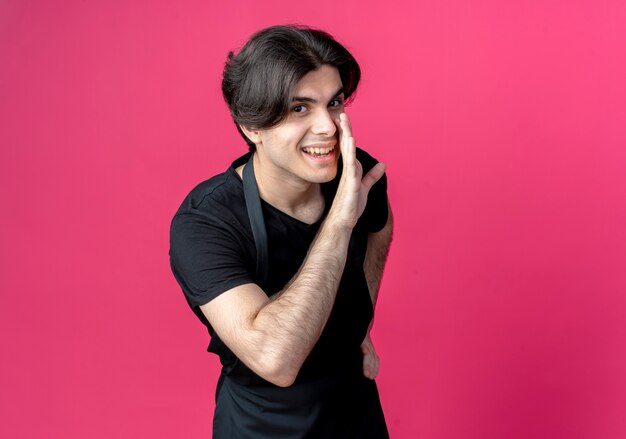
x,y
304,147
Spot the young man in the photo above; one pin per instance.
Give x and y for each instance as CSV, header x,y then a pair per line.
x,y
287,291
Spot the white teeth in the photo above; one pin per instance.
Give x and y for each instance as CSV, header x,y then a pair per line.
x,y
318,151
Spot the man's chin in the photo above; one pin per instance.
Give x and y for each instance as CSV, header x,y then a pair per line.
x,y
328,176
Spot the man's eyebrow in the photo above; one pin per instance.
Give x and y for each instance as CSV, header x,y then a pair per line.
x,y
314,101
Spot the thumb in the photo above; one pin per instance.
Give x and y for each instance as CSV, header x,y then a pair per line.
x,y
373,176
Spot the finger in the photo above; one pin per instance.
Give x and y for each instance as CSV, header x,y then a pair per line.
x,y
346,124
373,176
370,366
343,126
346,141
339,128
367,369
375,366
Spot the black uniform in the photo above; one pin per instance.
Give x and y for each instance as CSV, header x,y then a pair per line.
x,y
213,250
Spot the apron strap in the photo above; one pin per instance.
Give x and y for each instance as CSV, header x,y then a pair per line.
x,y
255,215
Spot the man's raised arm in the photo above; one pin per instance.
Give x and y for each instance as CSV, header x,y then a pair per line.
x,y
273,336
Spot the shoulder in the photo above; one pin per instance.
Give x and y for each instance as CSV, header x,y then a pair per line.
x,y
219,194
376,211
213,210
222,189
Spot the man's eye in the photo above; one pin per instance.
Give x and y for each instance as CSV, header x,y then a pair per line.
x,y
299,109
335,103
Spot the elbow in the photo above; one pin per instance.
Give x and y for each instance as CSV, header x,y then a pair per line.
x,y
282,376
282,380
279,373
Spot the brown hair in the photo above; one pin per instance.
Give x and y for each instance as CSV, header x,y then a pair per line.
x,y
259,81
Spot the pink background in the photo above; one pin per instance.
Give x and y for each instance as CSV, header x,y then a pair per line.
x,y
503,126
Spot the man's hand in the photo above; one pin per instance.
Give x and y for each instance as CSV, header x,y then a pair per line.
x,y
371,362
351,196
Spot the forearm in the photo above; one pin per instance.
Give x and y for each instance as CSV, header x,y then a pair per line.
x,y
290,324
376,256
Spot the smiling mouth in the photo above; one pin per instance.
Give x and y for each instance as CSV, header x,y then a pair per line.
x,y
318,152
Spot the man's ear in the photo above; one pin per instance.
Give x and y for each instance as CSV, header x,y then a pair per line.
x,y
251,134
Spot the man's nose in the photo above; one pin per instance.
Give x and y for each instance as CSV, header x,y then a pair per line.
x,y
323,124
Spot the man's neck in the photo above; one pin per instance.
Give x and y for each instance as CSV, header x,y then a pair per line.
x,y
297,198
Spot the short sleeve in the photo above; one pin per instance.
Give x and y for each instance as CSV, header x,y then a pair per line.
x,y
376,211
207,256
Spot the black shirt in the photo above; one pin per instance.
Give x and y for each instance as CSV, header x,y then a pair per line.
x,y
212,250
